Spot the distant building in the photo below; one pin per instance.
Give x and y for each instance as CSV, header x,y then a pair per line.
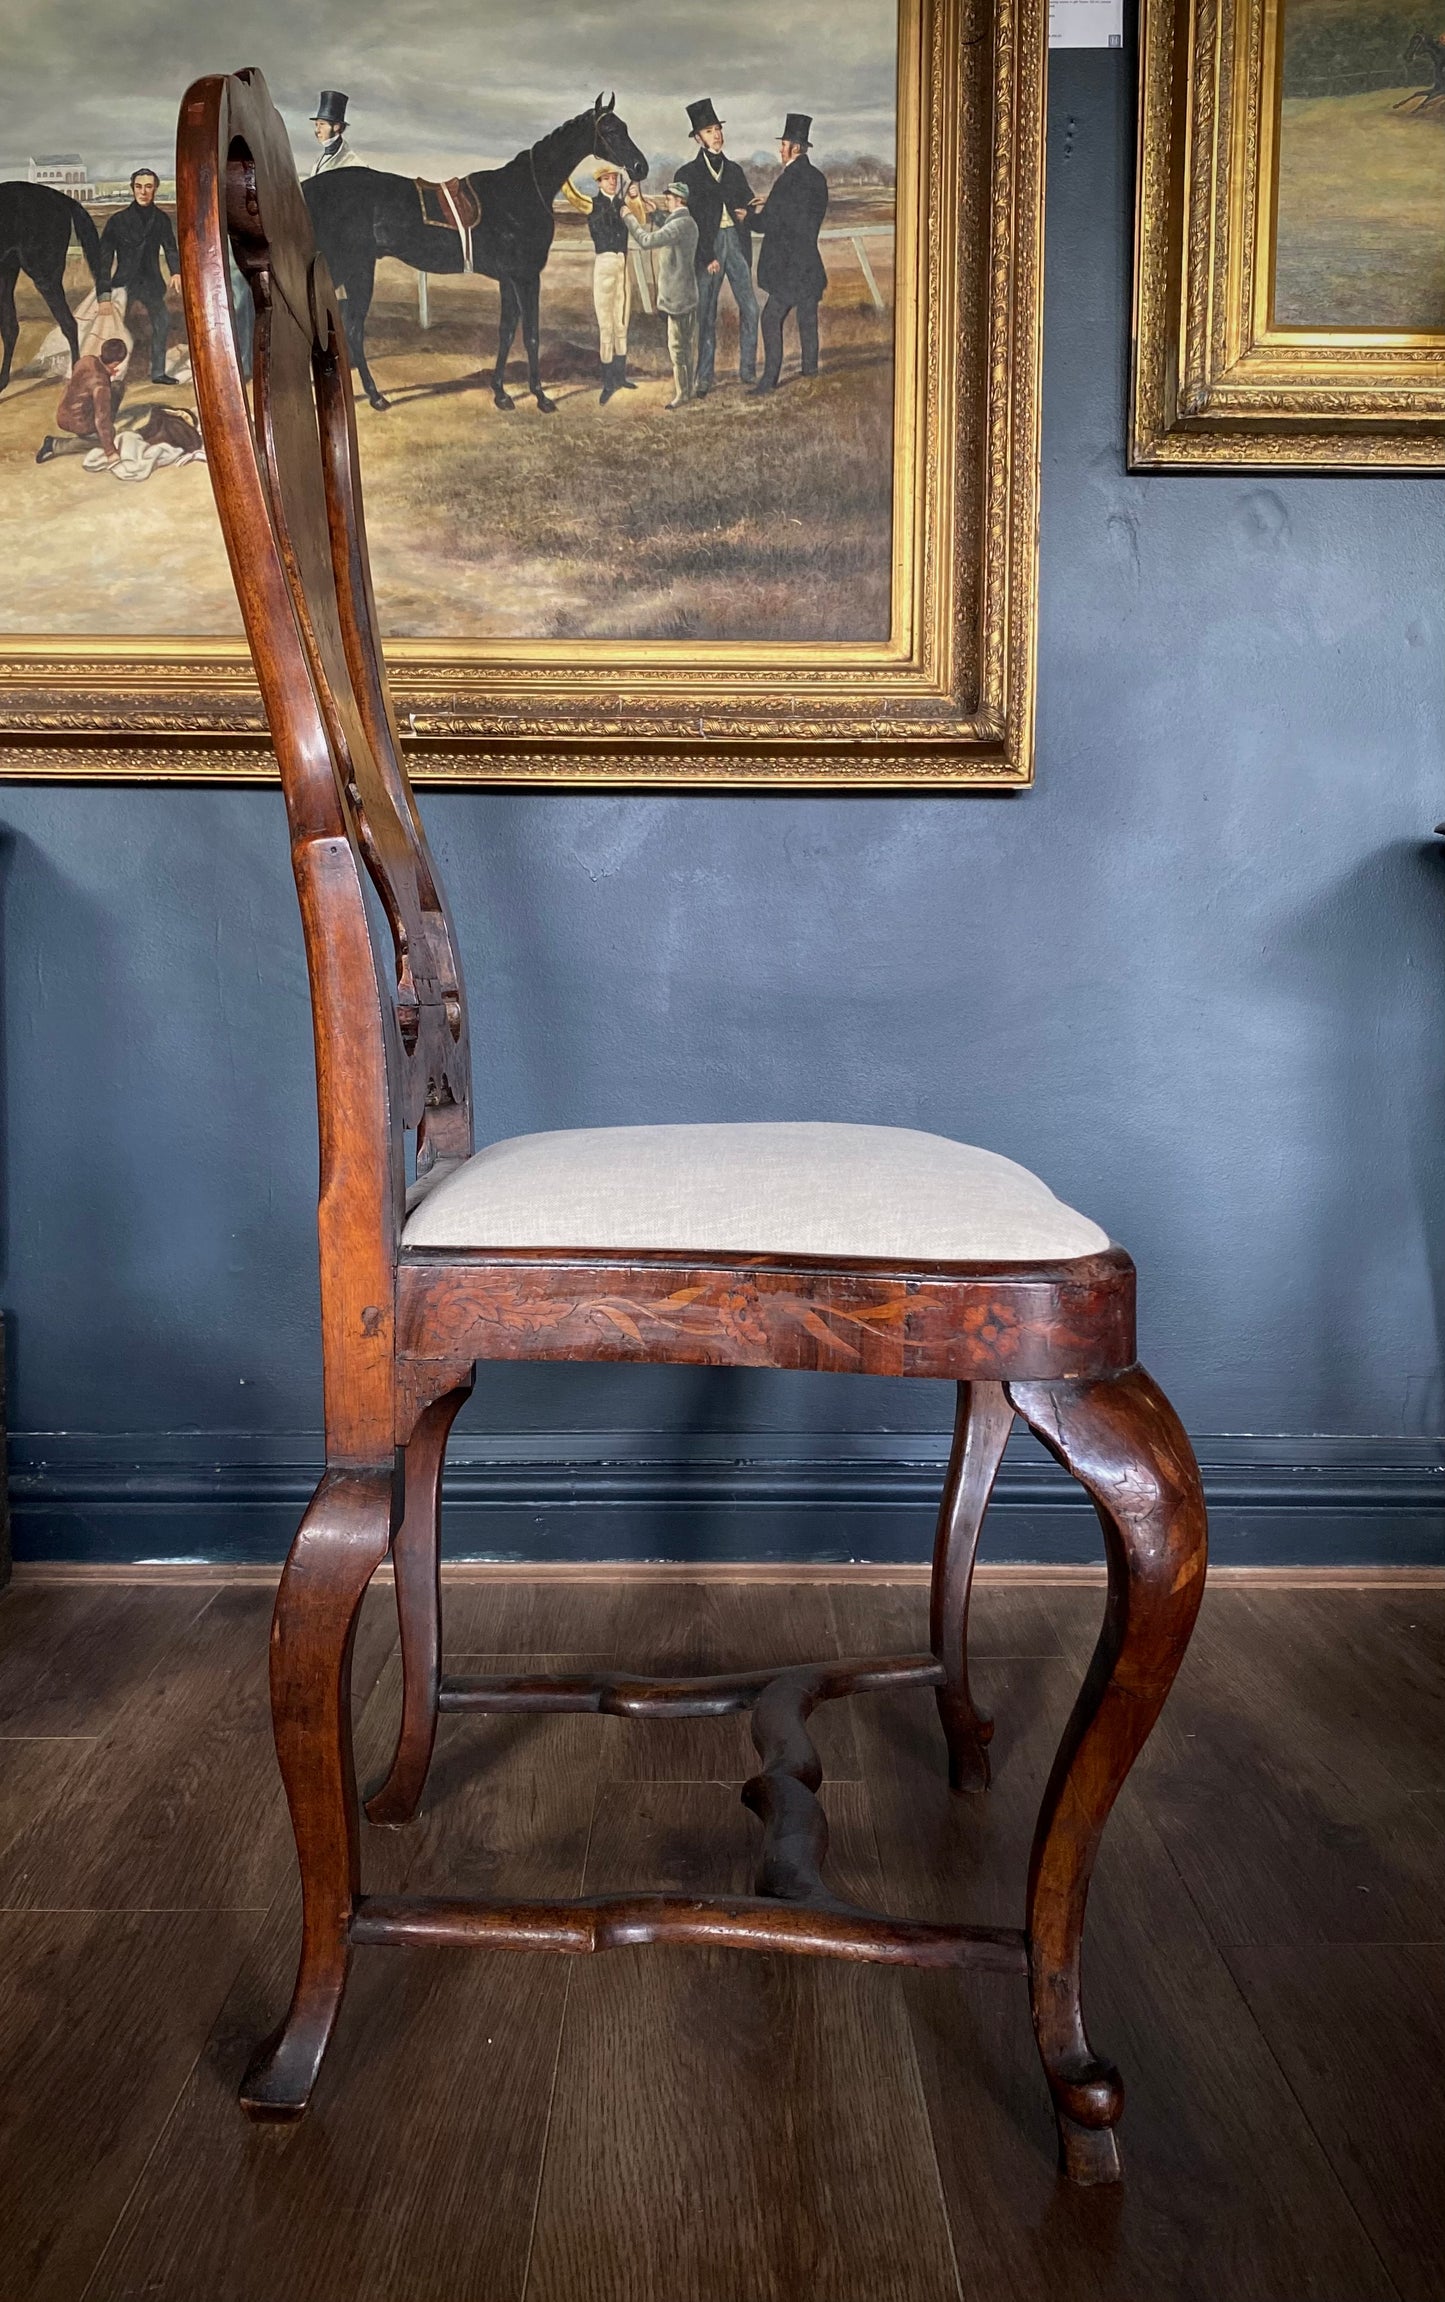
x,y
65,171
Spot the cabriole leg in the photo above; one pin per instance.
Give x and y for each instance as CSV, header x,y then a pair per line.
x,y
1123,1441
980,1430
340,1543
416,1554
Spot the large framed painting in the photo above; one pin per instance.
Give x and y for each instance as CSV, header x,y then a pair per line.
x,y
1289,301
696,360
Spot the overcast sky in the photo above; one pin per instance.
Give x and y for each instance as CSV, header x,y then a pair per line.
x,y
449,83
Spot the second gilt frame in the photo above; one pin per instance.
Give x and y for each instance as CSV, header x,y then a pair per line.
x,y
945,702
1216,382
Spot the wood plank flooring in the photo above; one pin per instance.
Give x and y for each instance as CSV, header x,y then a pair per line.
x,y
1266,1962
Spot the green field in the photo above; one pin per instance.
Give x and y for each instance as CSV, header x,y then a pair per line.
x,y
1361,213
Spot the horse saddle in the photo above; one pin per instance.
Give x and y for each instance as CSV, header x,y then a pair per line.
x,y
453,205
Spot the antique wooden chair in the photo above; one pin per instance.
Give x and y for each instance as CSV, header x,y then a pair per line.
x,y
869,1250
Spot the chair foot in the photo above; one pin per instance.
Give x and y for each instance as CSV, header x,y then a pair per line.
x,y
1088,2155
282,2071
969,1769
416,1554
394,1802
980,1433
341,1542
1124,1444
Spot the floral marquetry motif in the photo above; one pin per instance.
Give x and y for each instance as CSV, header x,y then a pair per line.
x,y
756,1313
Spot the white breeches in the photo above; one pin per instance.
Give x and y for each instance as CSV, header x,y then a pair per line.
x,y
612,302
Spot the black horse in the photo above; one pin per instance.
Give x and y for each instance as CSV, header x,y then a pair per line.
x,y
36,223
360,214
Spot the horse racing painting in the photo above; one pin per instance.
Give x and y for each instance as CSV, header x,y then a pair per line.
x,y
686,414
496,279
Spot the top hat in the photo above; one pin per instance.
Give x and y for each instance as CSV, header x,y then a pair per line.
x,y
702,115
798,129
331,108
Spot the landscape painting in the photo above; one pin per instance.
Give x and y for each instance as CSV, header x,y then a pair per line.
x,y
1360,192
620,289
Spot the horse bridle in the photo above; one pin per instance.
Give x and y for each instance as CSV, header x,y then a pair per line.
x,y
537,187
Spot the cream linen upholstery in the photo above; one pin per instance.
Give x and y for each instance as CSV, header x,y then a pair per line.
x,y
793,1188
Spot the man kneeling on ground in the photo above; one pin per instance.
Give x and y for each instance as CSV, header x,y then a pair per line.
x,y
85,418
675,240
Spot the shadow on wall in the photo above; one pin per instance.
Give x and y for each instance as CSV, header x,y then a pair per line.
x,y
1360,979
160,1249
71,1068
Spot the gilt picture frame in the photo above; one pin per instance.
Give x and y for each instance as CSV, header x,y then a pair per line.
x,y
1289,291
939,695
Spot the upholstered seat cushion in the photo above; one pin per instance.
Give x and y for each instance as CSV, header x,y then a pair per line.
x,y
793,1188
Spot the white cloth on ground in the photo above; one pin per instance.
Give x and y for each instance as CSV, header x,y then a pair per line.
x,y
139,458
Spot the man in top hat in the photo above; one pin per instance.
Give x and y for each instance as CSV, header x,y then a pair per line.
x,y
675,240
328,125
720,200
790,269
611,278
131,248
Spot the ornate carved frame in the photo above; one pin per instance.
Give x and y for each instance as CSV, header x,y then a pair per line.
x,y
947,702
1216,380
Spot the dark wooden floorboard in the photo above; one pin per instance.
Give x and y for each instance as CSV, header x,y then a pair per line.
x,y
508,1803
1002,1622
1360,2032
694,1628
411,2179
179,1805
1263,1961
73,1655
509,1618
414,2174
1334,1654
1226,2184
1227,2192
947,1856
1284,1814
729,2126
33,1772
101,2018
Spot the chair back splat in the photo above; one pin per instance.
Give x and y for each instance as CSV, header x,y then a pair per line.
x,y
388,1002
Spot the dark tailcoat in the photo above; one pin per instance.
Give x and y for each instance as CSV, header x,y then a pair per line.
x,y
707,200
790,266
132,245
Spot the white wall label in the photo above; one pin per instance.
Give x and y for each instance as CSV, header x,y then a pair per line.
x,y
1086,23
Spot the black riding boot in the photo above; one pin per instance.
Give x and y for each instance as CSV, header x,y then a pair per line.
x,y
623,382
609,380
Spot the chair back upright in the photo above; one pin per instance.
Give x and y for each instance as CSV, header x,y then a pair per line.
x,y
388,1005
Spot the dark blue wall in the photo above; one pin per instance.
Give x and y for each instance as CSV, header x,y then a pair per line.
x,y
1195,978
